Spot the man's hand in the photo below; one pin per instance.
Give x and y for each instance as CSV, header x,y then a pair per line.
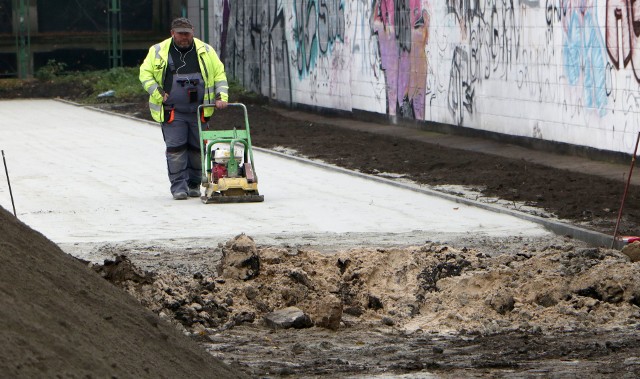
x,y
221,104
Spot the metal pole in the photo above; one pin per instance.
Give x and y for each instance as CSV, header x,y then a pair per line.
x,y
115,33
205,35
6,171
23,40
200,24
626,189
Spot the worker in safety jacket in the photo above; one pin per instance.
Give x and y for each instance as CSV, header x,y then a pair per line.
x,y
179,74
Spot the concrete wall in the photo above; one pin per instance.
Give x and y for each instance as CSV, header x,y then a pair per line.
x,y
556,70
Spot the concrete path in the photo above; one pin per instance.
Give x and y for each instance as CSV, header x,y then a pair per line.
x,y
88,176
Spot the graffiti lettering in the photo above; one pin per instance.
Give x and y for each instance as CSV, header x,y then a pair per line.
x,y
461,92
280,76
550,51
492,27
402,53
494,43
622,33
260,60
619,24
257,46
402,24
466,10
556,10
331,23
306,19
318,24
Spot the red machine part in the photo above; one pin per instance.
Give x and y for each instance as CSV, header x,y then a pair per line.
x,y
630,239
219,171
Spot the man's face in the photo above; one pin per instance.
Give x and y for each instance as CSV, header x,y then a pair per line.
x,y
182,39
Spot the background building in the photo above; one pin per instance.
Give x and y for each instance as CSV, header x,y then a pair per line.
x,y
80,33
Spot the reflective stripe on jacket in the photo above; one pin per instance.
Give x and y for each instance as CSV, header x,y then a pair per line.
x,y
153,71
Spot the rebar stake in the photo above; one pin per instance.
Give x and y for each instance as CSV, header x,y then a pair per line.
x,y
626,188
6,171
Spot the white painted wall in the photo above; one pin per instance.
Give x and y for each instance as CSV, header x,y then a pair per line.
x,y
543,69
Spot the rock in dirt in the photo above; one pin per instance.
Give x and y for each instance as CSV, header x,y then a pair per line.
x,y
300,276
244,317
501,302
290,317
240,259
121,270
632,251
374,302
327,312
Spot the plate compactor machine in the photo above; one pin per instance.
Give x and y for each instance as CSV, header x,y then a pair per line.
x,y
228,171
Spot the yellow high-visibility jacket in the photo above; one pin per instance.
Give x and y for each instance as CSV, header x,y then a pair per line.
x,y
154,68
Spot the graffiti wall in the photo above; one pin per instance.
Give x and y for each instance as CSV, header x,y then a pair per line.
x,y
558,70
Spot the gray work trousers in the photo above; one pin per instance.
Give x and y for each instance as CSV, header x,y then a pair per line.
x,y
183,153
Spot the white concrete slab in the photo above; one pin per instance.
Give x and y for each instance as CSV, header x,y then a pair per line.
x,y
87,176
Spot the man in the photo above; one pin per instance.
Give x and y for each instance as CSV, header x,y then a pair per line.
x,y
179,74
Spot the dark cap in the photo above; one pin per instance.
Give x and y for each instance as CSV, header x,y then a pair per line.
x,y
181,25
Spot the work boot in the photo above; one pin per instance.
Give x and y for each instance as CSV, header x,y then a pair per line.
x,y
180,196
194,190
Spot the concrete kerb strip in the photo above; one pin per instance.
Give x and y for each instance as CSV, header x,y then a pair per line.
x,y
590,237
106,111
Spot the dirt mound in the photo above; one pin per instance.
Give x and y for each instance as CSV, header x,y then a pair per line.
x,y
431,288
58,318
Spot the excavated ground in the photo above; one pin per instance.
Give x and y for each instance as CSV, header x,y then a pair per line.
x,y
548,307
538,308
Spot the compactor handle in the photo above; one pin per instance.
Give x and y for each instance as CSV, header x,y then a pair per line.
x,y
239,105
246,124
